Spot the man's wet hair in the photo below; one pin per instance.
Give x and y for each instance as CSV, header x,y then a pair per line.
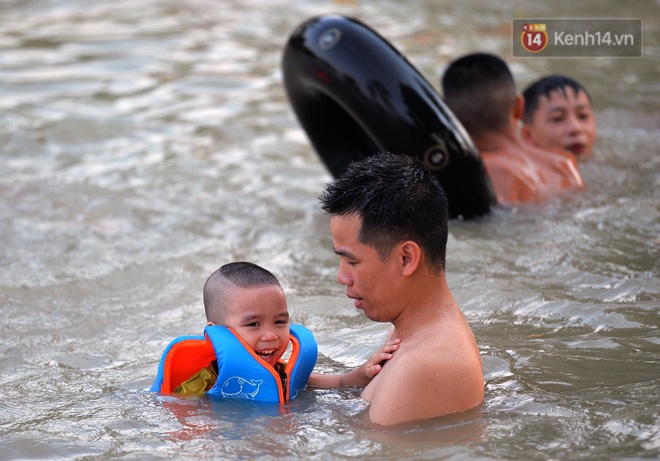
x,y
397,199
480,90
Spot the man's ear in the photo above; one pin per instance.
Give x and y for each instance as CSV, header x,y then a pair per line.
x,y
518,107
526,133
210,324
411,257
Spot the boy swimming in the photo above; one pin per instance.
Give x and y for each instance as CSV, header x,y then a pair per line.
x,y
249,331
558,115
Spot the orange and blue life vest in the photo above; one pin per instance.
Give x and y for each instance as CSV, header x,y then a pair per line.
x,y
241,372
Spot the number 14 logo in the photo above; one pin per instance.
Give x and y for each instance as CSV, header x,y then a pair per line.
x,y
534,38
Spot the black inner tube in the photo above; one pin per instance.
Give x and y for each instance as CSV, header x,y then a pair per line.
x,y
355,95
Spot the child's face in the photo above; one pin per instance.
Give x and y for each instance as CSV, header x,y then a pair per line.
x,y
259,315
565,121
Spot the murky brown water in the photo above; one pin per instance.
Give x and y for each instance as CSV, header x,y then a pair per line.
x,y
144,143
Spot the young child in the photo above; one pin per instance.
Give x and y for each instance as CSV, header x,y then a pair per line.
x,y
480,90
247,334
558,115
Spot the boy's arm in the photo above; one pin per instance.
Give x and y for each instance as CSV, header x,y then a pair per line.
x,y
360,376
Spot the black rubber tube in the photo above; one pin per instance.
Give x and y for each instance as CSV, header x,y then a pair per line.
x,y
355,95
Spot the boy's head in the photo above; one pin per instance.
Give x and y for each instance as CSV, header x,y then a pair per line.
x,y
480,90
558,114
250,300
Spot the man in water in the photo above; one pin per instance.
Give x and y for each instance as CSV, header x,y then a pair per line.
x,y
480,90
389,225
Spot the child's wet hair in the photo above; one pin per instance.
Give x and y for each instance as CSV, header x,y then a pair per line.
x,y
544,87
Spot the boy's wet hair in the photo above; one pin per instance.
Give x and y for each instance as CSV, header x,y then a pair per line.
x,y
246,274
241,273
544,87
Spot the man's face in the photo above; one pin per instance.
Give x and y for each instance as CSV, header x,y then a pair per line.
x,y
563,121
370,281
259,315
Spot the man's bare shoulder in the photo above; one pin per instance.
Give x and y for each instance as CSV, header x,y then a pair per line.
x,y
433,363
508,159
425,384
432,358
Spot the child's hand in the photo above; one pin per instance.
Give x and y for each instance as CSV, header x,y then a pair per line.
x,y
360,376
375,363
